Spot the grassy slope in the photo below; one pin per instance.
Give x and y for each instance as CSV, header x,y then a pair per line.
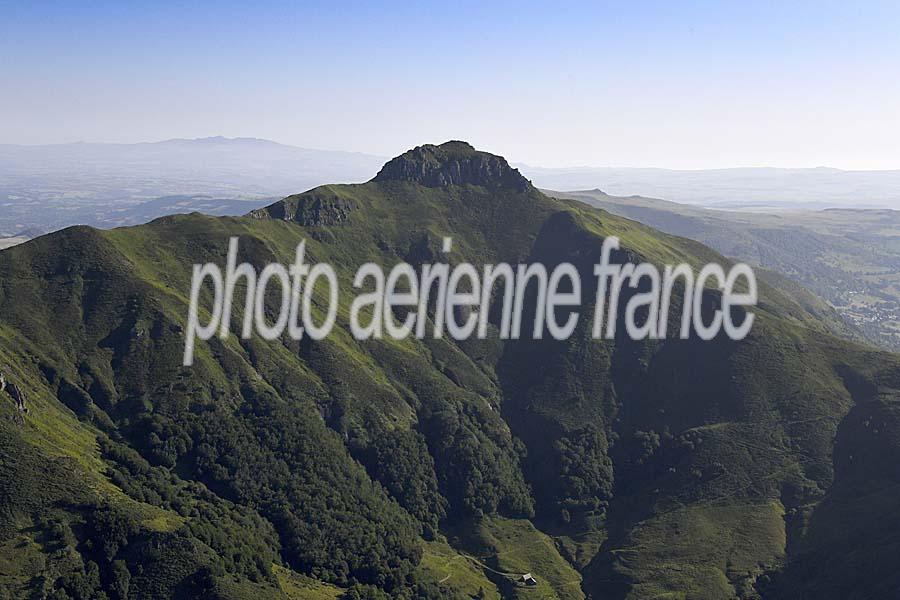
x,y
456,570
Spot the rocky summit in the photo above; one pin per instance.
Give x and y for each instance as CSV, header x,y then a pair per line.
x,y
452,163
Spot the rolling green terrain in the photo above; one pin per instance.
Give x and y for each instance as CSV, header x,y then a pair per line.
x,y
427,468
851,258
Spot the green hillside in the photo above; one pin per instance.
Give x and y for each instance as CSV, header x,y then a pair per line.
x,y
426,468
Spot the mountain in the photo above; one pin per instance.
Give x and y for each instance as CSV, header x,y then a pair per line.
x,y
757,188
55,186
427,468
851,258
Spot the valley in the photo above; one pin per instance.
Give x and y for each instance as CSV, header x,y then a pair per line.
x,y
851,258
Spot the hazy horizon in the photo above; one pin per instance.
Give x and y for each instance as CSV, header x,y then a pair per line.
x,y
575,168
48,187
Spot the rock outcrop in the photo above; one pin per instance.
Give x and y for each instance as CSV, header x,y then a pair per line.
x,y
18,396
453,163
312,209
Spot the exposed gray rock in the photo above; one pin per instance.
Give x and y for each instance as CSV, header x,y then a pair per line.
x,y
452,163
311,209
18,396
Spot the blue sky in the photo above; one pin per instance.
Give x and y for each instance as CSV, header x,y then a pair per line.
x,y
682,85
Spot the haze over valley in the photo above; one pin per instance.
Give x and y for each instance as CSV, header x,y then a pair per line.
x,y
45,188
849,257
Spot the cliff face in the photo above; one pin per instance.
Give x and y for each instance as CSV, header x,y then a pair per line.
x,y
452,163
310,210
